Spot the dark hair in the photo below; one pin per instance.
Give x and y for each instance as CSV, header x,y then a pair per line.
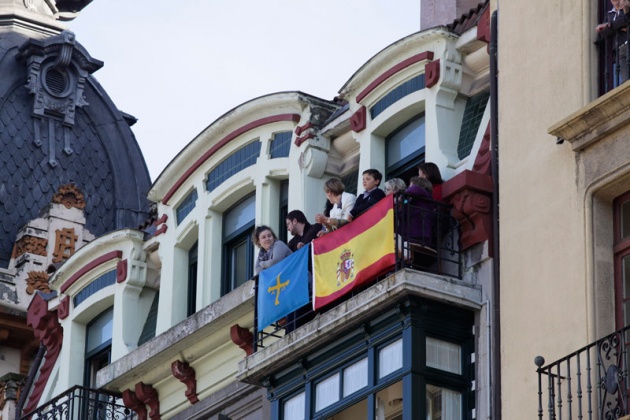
x,y
432,172
334,185
297,215
260,229
376,174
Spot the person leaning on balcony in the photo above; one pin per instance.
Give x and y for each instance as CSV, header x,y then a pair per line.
x,y
430,171
394,185
338,206
272,250
303,232
417,217
373,194
616,26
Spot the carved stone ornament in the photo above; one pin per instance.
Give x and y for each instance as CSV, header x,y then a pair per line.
x,y
65,244
30,245
37,280
70,196
149,395
131,401
58,68
186,375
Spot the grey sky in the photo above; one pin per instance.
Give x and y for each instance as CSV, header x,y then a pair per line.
x,y
178,66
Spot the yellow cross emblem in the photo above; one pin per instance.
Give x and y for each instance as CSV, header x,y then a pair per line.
x,y
277,288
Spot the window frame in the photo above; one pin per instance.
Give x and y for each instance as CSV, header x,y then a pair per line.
x,y
229,244
621,249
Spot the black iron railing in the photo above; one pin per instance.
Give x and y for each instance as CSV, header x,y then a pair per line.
x,y
591,383
612,42
80,403
427,239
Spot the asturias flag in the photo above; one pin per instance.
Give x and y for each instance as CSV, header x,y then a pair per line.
x,y
283,288
354,254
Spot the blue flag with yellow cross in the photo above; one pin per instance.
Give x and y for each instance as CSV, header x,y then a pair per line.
x,y
283,288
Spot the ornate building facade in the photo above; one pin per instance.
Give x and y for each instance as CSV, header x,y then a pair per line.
x,y
158,320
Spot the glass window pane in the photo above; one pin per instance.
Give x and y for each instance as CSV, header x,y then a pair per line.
x,y
390,359
389,402
327,392
293,408
239,268
100,331
625,220
240,215
355,377
443,404
354,412
444,355
405,142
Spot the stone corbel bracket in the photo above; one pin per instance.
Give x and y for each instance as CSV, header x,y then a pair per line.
x,y
186,375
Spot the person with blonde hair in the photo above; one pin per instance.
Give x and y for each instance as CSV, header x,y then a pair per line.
x,y
394,185
338,207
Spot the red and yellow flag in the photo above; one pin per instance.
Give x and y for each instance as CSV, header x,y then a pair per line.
x,y
354,254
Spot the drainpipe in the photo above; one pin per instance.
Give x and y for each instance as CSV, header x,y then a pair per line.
x,y
496,291
29,381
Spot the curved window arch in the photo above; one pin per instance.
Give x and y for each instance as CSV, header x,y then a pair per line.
x,y
242,158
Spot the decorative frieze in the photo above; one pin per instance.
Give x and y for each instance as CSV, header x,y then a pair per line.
x,y
28,244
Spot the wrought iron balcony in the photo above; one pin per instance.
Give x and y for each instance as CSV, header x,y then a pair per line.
x,y
612,42
427,240
80,403
590,383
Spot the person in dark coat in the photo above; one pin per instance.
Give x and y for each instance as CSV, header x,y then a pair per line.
x,y
303,232
372,195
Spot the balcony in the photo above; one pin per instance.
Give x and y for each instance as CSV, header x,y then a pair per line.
x,y
427,241
591,383
80,403
612,43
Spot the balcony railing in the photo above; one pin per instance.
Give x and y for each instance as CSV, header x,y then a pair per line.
x,y
427,240
591,383
80,403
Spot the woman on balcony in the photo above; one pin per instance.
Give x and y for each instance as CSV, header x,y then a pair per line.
x,y
430,171
338,207
272,250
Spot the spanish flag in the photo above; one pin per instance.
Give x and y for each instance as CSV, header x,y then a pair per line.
x,y
355,254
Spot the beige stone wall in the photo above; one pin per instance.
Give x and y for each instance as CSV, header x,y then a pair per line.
x,y
545,53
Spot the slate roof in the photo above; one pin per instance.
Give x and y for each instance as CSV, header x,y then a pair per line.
x,y
106,163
